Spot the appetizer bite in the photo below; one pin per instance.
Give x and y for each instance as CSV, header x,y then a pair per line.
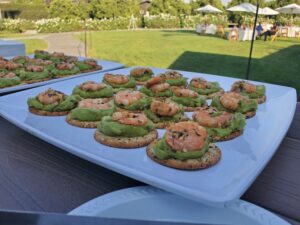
x,y
157,87
185,146
220,125
90,111
88,65
174,78
256,92
57,57
190,100
52,103
165,112
47,64
125,130
64,69
70,59
119,81
141,74
20,59
203,87
32,74
91,89
40,54
235,102
131,100
8,79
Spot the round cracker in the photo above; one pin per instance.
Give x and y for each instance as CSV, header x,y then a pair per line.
x,y
192,109
35,81
46,113
210,158
250,114
82,124
98,67
126,142
228,137
210,96
62,76
163,125
261,99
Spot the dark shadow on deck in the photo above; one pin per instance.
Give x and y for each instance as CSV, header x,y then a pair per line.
x,y
274,68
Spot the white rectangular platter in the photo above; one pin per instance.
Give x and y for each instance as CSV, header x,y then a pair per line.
x,y
107,66
242,158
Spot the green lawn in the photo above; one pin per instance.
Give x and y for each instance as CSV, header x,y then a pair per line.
x,y
33,44
277,62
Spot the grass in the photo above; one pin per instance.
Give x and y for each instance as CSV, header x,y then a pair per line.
x,y
274,62
33,44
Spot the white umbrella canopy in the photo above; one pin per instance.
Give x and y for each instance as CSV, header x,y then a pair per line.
x,y
289,9
268,11
244,7
208,9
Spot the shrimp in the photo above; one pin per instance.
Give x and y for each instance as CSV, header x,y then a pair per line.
x,y
65,66
12,66
160,87
116,79
92,86
51,97
231,100
200,83
172,74
26,58
129,118
91,62
184,92
71,59
127,97
140,71
97,103
211,117
186,136
7,75
164,108
34,68
40,62
153,81
58,54
243,85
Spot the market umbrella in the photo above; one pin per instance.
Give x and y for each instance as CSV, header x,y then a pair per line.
x,y
289,9
244,7
208,9
268,11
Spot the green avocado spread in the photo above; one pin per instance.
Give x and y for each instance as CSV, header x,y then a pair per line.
x,y
143,77
147,91
84,114
156,118
244,106
260,92
237,124
215,87
7,82
25,75
190,102
177,82
163,151
83,66
113,128
103,93
41,56
69,102
57,72
140,104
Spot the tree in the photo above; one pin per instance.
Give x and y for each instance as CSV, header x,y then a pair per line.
x,y
173,7
67,9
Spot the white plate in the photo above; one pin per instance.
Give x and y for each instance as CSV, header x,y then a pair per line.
x,y
152,204
242,158
107,66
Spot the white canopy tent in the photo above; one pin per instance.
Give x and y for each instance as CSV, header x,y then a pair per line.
x,y
289,9
268,11
208,9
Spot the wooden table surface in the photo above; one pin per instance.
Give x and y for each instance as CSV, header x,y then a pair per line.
x,y
36,176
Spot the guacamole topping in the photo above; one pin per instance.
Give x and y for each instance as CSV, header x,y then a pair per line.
x,y
130,84
147,91
238,123
7,82
83,66
140,104
84,114
103,93
244,106
113,128
58,72
177,82
68,103
25,75
156,118
143,77
42,56
163,151
215,87
188,101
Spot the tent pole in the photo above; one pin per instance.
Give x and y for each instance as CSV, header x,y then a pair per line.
x,y
252,41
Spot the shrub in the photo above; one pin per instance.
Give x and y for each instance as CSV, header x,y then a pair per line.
x,y
16,25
